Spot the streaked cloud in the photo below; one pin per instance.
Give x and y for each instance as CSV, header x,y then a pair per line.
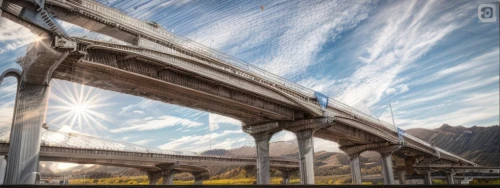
x,y
159,123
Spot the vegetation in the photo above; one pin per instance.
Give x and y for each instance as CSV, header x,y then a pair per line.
x,y
138,180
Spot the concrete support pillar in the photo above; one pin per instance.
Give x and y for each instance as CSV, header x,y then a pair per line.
x,y
199,177
3,165
262,134
168,177
29,115
153,177
402,177
285,175
306,155
387,170
263,168
428,178
355,169
450,177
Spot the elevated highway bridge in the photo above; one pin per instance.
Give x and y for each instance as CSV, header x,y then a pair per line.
x,y
83,149
159,65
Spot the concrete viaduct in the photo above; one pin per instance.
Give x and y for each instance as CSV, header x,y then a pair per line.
x,y
155,162
162,66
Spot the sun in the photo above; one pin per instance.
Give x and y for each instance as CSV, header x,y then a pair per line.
x,y
77,106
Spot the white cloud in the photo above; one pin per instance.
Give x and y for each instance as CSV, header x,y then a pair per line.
x,y
143,141
138,112
13,35
403,32
159,123
216,119
293,37
200,143
325,145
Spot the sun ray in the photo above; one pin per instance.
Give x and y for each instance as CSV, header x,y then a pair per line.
x,y
77,106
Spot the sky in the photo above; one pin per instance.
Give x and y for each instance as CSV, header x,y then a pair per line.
x,y
433,61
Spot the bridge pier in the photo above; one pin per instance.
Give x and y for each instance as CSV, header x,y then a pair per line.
x,y
29,115
168,177
387,170
153,177
402,177
450,177
355,169
306,155
304,130
428,177
262,134
199,177
285,175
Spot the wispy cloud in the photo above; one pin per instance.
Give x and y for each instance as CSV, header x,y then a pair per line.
x,y
202,142
13,35
282,39
159,123
142,142
215,120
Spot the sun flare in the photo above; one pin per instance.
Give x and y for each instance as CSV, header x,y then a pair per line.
x,y
77,106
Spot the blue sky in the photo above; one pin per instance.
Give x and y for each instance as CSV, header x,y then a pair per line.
x,y
432,60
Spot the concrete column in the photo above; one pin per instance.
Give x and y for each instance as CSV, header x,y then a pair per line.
x,y
427,178
402,177
355,169
285,175
153,177
450,177
306,155
387,170
3,165
29,116
168,177
199,177
263,169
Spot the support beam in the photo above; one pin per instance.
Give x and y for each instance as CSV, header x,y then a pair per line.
x,y
306,155
29,115
355,169
402,177
387,170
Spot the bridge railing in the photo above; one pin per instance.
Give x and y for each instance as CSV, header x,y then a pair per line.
x,y
60,139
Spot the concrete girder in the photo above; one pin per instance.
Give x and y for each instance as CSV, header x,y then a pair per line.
x,y
250,104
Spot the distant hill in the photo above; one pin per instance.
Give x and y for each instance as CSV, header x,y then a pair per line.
x,y
478,144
